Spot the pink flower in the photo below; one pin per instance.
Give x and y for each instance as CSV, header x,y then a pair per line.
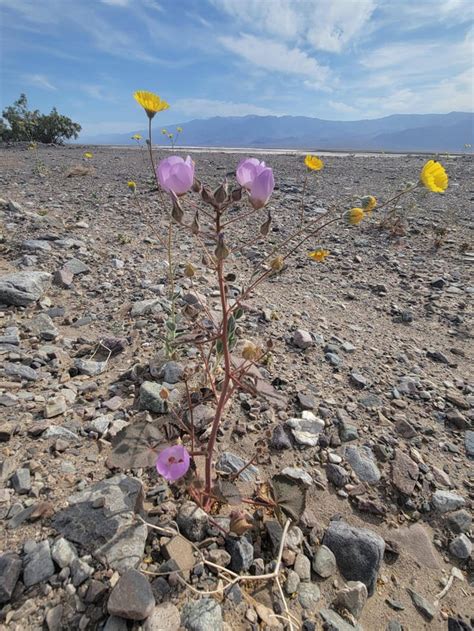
x,y
262,188
173,462
247,171
176,174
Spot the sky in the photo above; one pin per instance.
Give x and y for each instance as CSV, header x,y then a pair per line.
x,y
332,59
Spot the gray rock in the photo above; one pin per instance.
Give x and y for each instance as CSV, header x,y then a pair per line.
x,y
151,399
337,474
53,618
461,547
114,623
132,597
63,552
348,432
358,379
172,372
280,439
469,442
459,521
302,567
43,327
38,564
446,501
56,431
292,582
424,606
21,481
11,335
76,267
145,307
165,617
100,424
230,463
306,430
55,406
298,474
23,288
202,615
80,572
10,570
89,367
334,622
394,625
302,339
20,371
192,521
333,359
101,519
241,553
324,562
308,595
358,551
36,245
352,598
363,462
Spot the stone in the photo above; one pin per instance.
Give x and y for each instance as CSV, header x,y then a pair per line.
x,y
416,542
358,551
241,553
333,359
76,267
202,615
302,567
280,439
115,623
363,462
11,335
10,570
151,398
63,552
302,339
461,547
348,432
63,278
36,245
404,472
424,606
306,401
192,521
306,430
19,371
172,372
459,521
358,380
165,617
132,597
100,424
292,582
89,367
324,562
334,622
469,442
230,463
43,327
38,564
21,481
80,572
298,474
181,552
23,288
95,591
55,406
146,307
446,501
53,618
352,598
309,595
337,474
405,429
101,518
56,431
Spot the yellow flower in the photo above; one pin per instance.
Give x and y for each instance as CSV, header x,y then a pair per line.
x,y
87,155
355,216
136,137
313,163
319,255
434,177
150,102
369,202
132,186
277,263
189,270
164,132
250,351
179,129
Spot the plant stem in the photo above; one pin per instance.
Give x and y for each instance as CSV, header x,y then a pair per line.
x,y
302,198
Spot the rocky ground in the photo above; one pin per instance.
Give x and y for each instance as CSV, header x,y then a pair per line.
x,y
366,399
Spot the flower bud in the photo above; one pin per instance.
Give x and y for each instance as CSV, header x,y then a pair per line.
x,y
195,227
265,227
197,186
220,194
277,263
177,212
250,351
236,195
207,196
189,270
240,522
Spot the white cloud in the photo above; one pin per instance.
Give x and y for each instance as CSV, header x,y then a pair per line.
x,y
116,3
274,56
344,108
209,107
39,81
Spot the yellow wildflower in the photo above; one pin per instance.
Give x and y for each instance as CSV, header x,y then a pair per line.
x,y
179,129
132,186
313,163
434,177
250,351
87,155
164,132
136,137
368,202
319,255
189,270
355,216
150,102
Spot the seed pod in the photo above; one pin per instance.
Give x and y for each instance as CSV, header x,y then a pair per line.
x,y
265,227
207,196
189,270
220,194
197,186
236,194
277,263
195,227
177,212
222,251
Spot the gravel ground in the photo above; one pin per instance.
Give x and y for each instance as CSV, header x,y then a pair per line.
x,y
374,346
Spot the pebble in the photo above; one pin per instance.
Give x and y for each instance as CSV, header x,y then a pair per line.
x,y
202,615
38,564
446,501
352,598
241,553
461,547
302,339
363,462
309,595
132,597
192,521
10,570
324,562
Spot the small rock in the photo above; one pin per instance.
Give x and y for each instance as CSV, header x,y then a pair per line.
x,y
55,406
298,474
63,552
172,372
10,570
132,597
89,367
469,442
241,553
461,547
38,564
404,472
336,474
280,439
423,605
363,462
302,339
230,463
43,327
302,567
334,622
446,501
165,617
459,521
306,430
308,595
23,288
324,562
21,481
76,267
192,521
202,615
352,598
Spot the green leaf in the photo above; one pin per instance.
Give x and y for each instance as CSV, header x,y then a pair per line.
x,y
238,313
171,326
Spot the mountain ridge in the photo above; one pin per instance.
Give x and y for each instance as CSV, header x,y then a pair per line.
x,y
396,132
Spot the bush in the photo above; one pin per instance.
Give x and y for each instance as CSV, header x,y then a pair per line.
x,y
19,123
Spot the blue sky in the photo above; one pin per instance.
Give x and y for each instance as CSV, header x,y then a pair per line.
x,y
335,59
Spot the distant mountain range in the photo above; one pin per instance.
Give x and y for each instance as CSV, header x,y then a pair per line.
x,y
400,132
